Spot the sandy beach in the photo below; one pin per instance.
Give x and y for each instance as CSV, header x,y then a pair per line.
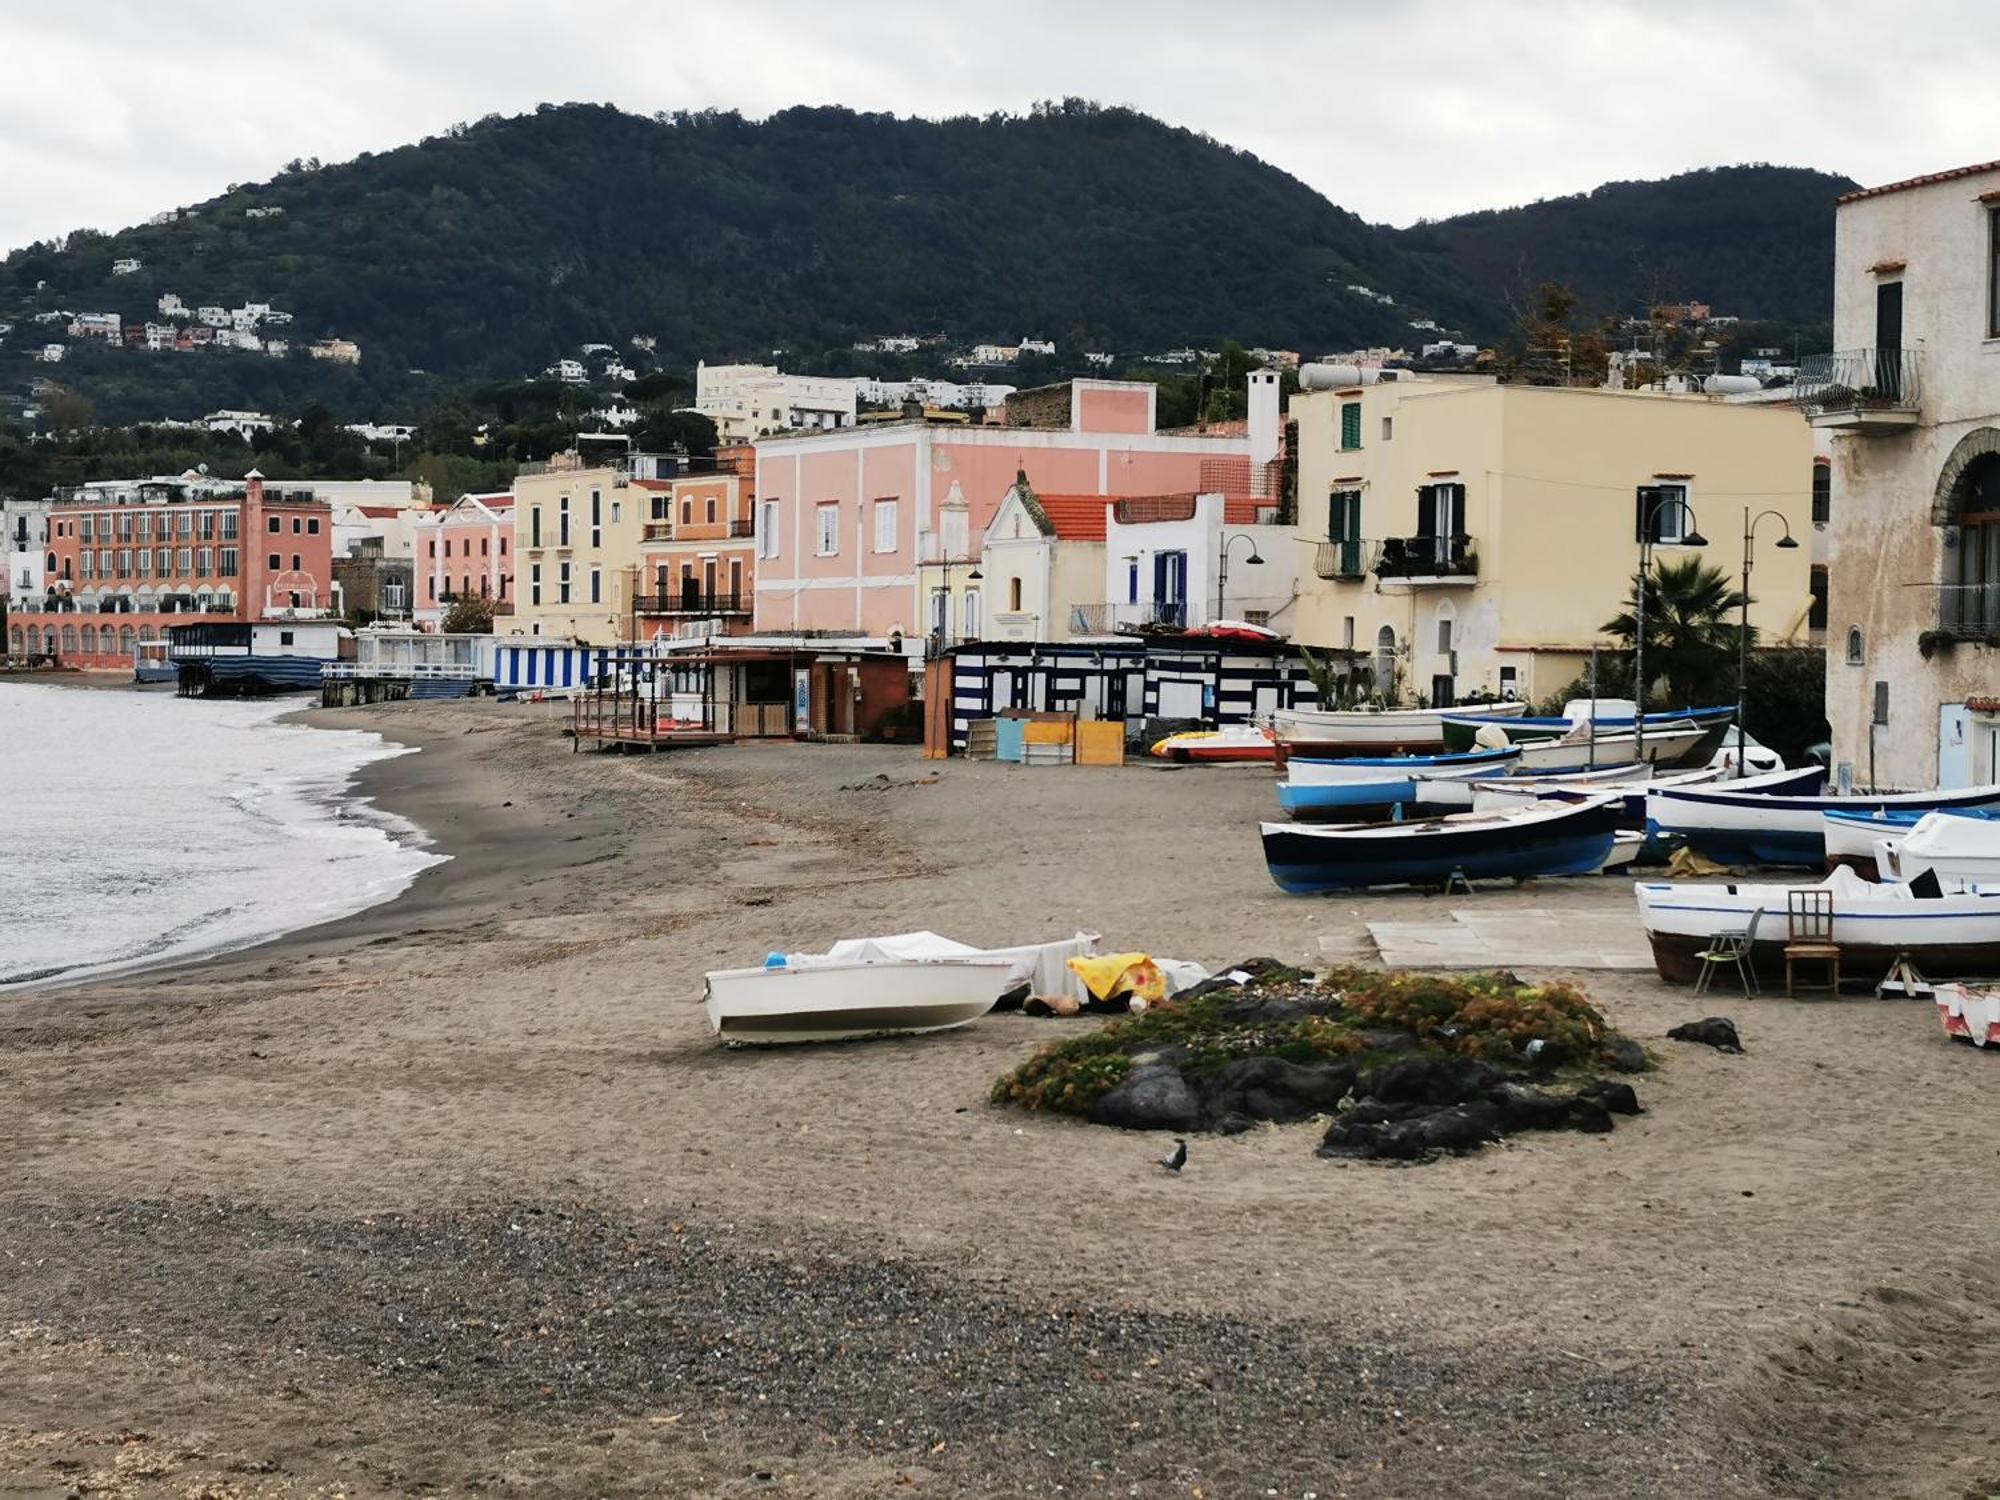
x,y
458,1195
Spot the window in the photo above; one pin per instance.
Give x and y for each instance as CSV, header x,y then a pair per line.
x,y
228,569
662,508
1881,702
275,525
1993,273
1856,646
1132,581
1347,632
297,565
312,525
971,614
503,545
229,525
1350,425
1816,616
1444,634
596,518
1662,511
596,586
885,525
614,512
485,544
562,583
163,561
687,510
142,561
298,526
829,530
207,526
1822,493
284,638
431,586
534,583
709,510
90,565
431,548
204,562
767,531
562,523
88,527
1014,595
274,562
1343,516
535,526
1388,428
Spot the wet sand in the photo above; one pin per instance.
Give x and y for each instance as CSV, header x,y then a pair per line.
x,y
459,1194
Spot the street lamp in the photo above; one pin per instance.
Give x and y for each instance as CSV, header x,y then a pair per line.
x,y
1652,506
1786,542
1222,565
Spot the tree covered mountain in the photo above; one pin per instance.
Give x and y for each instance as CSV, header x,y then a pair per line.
x,y
497,247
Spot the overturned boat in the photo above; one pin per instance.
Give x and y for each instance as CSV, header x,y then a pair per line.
x,y
906,983
1545,838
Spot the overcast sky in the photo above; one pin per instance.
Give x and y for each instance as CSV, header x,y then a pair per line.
x,y
1398,109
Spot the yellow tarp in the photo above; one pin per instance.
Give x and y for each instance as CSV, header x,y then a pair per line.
x,y
1112,974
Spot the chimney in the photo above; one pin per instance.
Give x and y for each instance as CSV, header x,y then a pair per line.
x,y
1263,416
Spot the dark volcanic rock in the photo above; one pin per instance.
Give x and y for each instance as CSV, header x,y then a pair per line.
x,y
1456,1127
1616,1097
1523,1108
1269,1088
1718,1032
1430,1080
1627,1055
1589,1116
1152,1098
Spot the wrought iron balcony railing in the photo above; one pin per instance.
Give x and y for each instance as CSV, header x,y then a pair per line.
x,y
689,602
1854,384
1969,611
1344,559
1409,558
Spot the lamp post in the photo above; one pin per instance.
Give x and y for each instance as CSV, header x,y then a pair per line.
x,y
1222,566
1652,504
1786,543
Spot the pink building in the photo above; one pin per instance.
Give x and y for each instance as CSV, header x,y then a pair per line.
x,y
461,549
847,522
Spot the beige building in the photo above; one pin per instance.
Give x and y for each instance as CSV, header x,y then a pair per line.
x,y
1912,401
1470,536
579,530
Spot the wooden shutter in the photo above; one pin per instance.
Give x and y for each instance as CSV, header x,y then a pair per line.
x,y
1647,513
1427,508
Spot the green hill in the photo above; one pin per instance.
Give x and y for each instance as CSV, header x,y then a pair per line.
x,y
497,247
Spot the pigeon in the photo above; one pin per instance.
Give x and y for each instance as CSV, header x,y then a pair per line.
x,y
1178,1160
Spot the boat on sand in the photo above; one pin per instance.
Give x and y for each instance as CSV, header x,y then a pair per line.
x,y
1369,731
1544,838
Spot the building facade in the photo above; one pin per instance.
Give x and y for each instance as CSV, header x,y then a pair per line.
x,y
1470,537
1911,400
856,528
125,559
463,549
579,526
751,401
698,563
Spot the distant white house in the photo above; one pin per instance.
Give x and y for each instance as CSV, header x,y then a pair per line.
x,y
1101,360
994,354
570,370
271,211
1037,346
212,317
616,416
162,336
106,326
340,351
245,424
277,348
276,318
382,432
171,305
590,349
50,354
620,372
124,266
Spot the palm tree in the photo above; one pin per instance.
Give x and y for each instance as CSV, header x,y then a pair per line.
x,y
1691,630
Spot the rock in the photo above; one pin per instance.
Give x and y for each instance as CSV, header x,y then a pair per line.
x,y
1388,1039
1375,1112
1430,1080
1616,1097
1589,1116
1718,1032
1233,1125
1626,1054
1455,1127
1153,1098
1270,1088
1523,1108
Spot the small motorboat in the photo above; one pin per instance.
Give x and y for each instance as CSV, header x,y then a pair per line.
x,y
1970,1013
1547,838
1230,744
906,983
1958,846
1370,731
1737,823
1856,838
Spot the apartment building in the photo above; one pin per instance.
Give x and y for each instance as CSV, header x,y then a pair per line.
x,y
579,526
750,401
858,530
124,559
1467,536
463,549
698,558
1911,402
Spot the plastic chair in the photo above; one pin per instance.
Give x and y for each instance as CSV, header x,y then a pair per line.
x,y
1809,936
1734,946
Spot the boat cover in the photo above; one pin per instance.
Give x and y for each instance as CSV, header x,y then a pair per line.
x,y
1044,966
1941,835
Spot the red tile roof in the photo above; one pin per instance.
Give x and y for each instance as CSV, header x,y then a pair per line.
x,y
1076,518
1917,182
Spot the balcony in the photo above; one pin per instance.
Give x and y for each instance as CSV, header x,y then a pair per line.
x,y
659,531
1860,390
1969,611
692,602
1441,561
1348,559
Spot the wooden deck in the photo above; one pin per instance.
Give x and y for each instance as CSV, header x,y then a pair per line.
x,y
636,725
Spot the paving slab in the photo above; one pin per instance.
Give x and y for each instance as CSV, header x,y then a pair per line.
x,y
1468,938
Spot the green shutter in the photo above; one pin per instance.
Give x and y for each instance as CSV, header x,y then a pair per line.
x,y
1350,425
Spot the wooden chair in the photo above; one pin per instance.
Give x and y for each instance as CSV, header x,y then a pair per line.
x,y
1733,946
1809,936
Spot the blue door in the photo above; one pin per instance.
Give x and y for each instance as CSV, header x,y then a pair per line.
x,y
1170,588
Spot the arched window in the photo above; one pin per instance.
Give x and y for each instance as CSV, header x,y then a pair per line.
x,y
1972,568
1385,661
88,640
1856,646
69,640
145,632
124,640
1447,619
972,614
1014,596
14,642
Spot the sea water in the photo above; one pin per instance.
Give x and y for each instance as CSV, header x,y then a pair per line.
x,y
136,826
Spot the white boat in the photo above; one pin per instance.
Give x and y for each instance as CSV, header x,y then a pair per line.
x,y
1372,731
1579,750
904,983
1319,770
1956,848
1734,822
1970,1012
1950,935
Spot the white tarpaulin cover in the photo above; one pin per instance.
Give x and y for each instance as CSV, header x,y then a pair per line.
x,y
1941,835
1044,966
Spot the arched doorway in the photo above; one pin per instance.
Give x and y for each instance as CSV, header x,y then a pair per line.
x,y
1385,663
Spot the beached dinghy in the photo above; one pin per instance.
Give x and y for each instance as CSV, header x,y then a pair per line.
x,y
1949,935
1970,1013
1861,840
1667,745
1230,744
1733,824
1350,787
1958,846
1613,716
1553,838
1368,731
908,982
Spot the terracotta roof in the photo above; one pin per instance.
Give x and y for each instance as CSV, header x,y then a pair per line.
x,y
1076,518
1917,182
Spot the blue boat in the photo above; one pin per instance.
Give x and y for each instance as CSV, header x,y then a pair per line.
x,y
1324,786
1545,838
1744,827
1460,729
1347,798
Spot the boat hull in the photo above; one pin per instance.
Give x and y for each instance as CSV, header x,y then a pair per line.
x,y
1664,747
1461,731
1752,826
846,1002
1338,732
1313,770
1560,841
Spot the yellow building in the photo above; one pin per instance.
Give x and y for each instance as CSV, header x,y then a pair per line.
x,y
1474,536
578,533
